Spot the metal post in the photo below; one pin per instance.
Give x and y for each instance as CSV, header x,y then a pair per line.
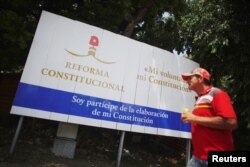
x,y
120,149
188,151
13,144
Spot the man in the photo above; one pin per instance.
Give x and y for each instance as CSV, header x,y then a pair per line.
x,y
212,119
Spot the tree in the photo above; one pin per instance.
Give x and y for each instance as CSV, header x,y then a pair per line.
x,y
141,20
215,33
16,33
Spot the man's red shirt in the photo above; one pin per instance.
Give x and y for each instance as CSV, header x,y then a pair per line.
x,y
212,102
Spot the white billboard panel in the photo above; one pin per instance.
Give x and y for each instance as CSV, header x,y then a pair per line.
x,y
82,74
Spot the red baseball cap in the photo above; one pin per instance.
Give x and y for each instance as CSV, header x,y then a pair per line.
x,y
198,71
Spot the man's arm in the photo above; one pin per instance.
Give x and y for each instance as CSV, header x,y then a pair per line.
x,y
216,122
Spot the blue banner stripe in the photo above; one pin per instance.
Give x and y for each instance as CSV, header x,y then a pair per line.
x,y
58,101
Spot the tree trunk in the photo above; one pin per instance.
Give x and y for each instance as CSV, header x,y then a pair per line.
x,y
140,14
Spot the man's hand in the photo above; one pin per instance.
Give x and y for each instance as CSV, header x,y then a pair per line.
x,y
186,115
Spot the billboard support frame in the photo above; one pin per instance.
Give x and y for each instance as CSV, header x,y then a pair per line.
x,y
119,154
15,138
120,148
188,151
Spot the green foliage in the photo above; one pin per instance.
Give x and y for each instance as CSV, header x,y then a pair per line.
x,y
158,27
204,30
215,33
16,33
141,20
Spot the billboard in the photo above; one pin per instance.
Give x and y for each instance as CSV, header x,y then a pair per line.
x,y
81,74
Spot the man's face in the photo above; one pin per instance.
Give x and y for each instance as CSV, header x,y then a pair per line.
x,y
194,82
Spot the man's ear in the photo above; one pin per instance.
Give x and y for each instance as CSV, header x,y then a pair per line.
x,y
201,79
